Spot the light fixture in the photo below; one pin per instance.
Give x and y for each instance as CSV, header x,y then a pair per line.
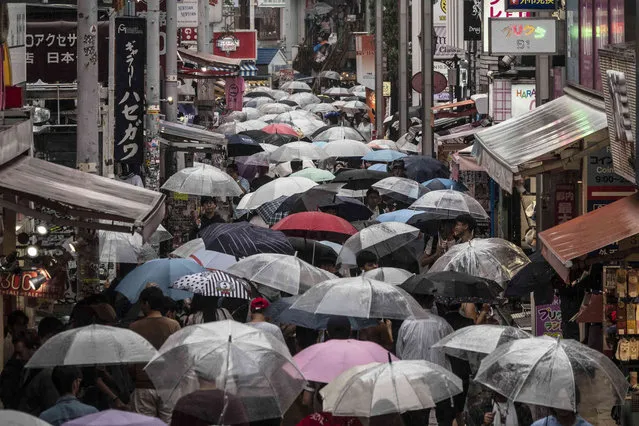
x,y
203,69
72,246
36,282
18,227
32,251
42,230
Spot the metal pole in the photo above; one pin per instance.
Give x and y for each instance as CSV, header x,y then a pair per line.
x,y
251,14
152,82
379,70
427,78
203,26
170,84
403,66
108,134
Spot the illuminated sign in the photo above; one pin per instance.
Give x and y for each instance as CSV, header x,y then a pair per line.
x,y
531,5
228,44
529,36
495,9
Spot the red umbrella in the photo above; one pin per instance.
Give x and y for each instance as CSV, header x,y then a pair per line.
x,y
316,225
280,129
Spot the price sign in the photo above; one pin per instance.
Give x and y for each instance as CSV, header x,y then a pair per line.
x,y
527,36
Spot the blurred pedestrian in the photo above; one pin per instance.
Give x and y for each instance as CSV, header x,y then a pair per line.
x,y
258,319
67,381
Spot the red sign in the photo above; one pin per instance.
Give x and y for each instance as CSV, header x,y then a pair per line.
x,y
19,285
188,34
245,48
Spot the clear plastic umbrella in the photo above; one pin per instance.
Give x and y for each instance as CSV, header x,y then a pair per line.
x,y
119,247
296,86
339,132
320,108
275,189
331,75
93,345
491,258
278,94
160,235
479,339
381,239
251,113
188,248
346,148
316,175
203,180
448,204
297,151
394,276
18,418
289,274
400,189
290,116
253,366
303,99
355,106
257,102
359,90
383,144
550,372
359,297
275,108
337,91
251,125
393,387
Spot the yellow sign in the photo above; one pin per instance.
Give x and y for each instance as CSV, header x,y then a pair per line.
x,y
386,89
180,196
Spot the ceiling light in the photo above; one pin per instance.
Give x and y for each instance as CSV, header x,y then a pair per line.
x,y
32,251
36,282
42,230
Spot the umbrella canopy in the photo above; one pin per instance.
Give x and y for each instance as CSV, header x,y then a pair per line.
x,y
379,167
383,155
346,148
275,108
251,113
320,108
298,86
279,139
206,407
18,418
548,372
316,175
453,287
289,117
214,283
337,132
392,387
212,259
253,366
115,418
315,225
537,276
258,101
491,258
395,276
161,272
323,362
337,91
400,189
331,75
258,134
315,199
242,239
297,151
281,129
448,204
422,168
258,94
479,339
242,145
355,106
380,239
359,297
275,189
356,90
203,180
251,126
188,248
415,218
441,183
120,247
93,345
383,144
359,179
303,99
281,272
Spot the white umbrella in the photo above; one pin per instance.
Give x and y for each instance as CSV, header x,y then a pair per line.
x,y
331,75
93,345
275,108
278,95
357,90
394,387
448,204
296,86
251,113
380,239
308,125
269,147
251,125
303,99
18,418
395,276
203,180
214,283
337,91
346,148
268,118
275,189
212,259
188,248
160,235
289,116
320,108
383,144
400,189
119,247
297,151
355,106
285,169
339,132
338,104
256,102
479,340
281,272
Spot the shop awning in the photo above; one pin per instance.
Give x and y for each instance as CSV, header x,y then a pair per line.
x,y
506,148
248,69
592,231
208,59
83,200
181,132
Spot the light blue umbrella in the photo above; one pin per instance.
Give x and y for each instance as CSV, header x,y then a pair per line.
x,y
415,218
320,144
379,167
441,183
162,272
384,155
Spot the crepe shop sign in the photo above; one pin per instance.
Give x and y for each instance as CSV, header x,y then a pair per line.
x,y
517,36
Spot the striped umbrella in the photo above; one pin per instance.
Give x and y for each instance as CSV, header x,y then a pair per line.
x,y
243,239
214,283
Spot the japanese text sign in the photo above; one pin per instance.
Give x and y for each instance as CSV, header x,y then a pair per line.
x,y
531,5
130,58
565,203
548,319
519,36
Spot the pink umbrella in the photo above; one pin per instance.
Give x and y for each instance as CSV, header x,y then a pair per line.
x,y
280,129
323,362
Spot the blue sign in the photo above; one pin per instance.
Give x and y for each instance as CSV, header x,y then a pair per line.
x,y
523,5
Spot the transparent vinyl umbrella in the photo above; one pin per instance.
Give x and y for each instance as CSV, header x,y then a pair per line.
x,y
479,339
448,204
18,418
400,189
203,180
275,189
394,276
346,148
297,151
380,239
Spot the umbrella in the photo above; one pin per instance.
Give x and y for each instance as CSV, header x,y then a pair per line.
x,y
251,113
253,366
257,102
416,218
548,372
321,8
242,239
392,387
313,251
290,116
338,104
285,169
337,91
115,418
204,407
251,126
333,133
409,145
275,108
331,75
234,116
346,148
383,144
400,189
269,211
315,199
289,102
323,362
421,168
379,167
93,345
356,90
316,175
297,151
160,235
359,297
212,259
491,258
381,239
315,225
278,139
355,106
363,224
383,156
203,180
119,247
242,145
453,287
448,204
307,125
303,99
214,283
161,272
320,108
441,183
296,86
258,134
18,418
395,276
281,272
479,339
188,248
258,94
280,128
274,189
537,276
359,179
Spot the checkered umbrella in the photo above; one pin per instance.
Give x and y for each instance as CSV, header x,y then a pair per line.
x,y
214,283
269,211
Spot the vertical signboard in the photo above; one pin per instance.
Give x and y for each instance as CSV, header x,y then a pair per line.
x,y
586,44
601,37
617,21
472,20
130,59
365,60
572,41
548,319
234,93
16,42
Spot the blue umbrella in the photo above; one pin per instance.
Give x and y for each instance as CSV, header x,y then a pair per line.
x,y
162,272
415,218
379,167
242,145
242,239
441,183
384,155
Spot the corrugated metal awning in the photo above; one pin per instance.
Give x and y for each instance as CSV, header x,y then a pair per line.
x,y
592,231
504,149
208,58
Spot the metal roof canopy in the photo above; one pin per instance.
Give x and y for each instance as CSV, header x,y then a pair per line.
x,y
180,132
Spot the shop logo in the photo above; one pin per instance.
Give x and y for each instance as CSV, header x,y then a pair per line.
x,y
228,44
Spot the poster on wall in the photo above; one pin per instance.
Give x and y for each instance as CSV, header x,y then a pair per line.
x,y
522,99
365,60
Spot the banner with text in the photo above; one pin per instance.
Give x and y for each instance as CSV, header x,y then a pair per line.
x,y
365,60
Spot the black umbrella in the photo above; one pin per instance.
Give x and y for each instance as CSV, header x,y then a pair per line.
x,y
421,168
242,239
320,199
358,179
289,102
282,139
242,145
258,95
453,287
312,251
256,135
537,276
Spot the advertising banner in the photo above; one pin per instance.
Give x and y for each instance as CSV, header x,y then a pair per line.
x,y
365,60
495,9
531,5
522,99
187,13
548,319
236,45
234,93
516,36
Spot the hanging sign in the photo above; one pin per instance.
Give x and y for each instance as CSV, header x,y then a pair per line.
x,y
522,36
472,20
130,59
531,5
187,13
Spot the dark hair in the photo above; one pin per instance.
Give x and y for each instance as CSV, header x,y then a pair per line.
x,y
170,305
371,191
63,377
206,199
16,316
467,219
338,327
365,257
305,337
154,297
49,326
29,339
232,166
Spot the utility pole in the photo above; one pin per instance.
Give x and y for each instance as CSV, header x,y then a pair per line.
x,y
203,27
403,66
251,14
170,84
427,78
152,83
379,69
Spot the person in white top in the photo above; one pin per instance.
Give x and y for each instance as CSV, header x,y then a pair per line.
x,y
258,319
